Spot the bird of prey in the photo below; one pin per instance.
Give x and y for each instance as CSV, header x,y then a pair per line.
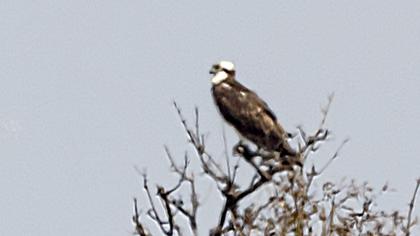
x,y
249,115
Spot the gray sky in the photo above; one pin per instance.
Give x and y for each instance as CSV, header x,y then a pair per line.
x,y
86,92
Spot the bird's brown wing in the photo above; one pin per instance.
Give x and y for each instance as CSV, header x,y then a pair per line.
x,y
249,114
251,95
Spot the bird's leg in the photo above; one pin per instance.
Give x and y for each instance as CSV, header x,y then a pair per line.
x,y
243,150
241,143
238,148
290,160
258,151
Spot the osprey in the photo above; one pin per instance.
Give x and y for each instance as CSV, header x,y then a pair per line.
x,y
246,112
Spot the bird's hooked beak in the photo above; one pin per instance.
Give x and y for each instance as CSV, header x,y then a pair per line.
x,y
213,70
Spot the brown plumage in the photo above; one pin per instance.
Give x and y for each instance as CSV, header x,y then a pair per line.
x,y
246,112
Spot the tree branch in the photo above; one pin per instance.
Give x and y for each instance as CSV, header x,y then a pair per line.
x,y
411,208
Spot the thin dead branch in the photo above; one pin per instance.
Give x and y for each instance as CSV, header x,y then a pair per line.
x,y
139,228
411,208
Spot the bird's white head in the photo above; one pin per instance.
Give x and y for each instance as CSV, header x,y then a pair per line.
x,y
222,71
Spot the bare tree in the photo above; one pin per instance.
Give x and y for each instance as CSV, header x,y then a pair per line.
x,y
293,204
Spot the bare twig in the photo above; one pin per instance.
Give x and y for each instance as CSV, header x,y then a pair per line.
x,y
226,153
320,135
170,215
334,156
411,208
139,228
210,167
313,173
325,111
152,213
183,176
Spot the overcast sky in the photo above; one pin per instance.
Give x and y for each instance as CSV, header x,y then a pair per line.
x,y
86,90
